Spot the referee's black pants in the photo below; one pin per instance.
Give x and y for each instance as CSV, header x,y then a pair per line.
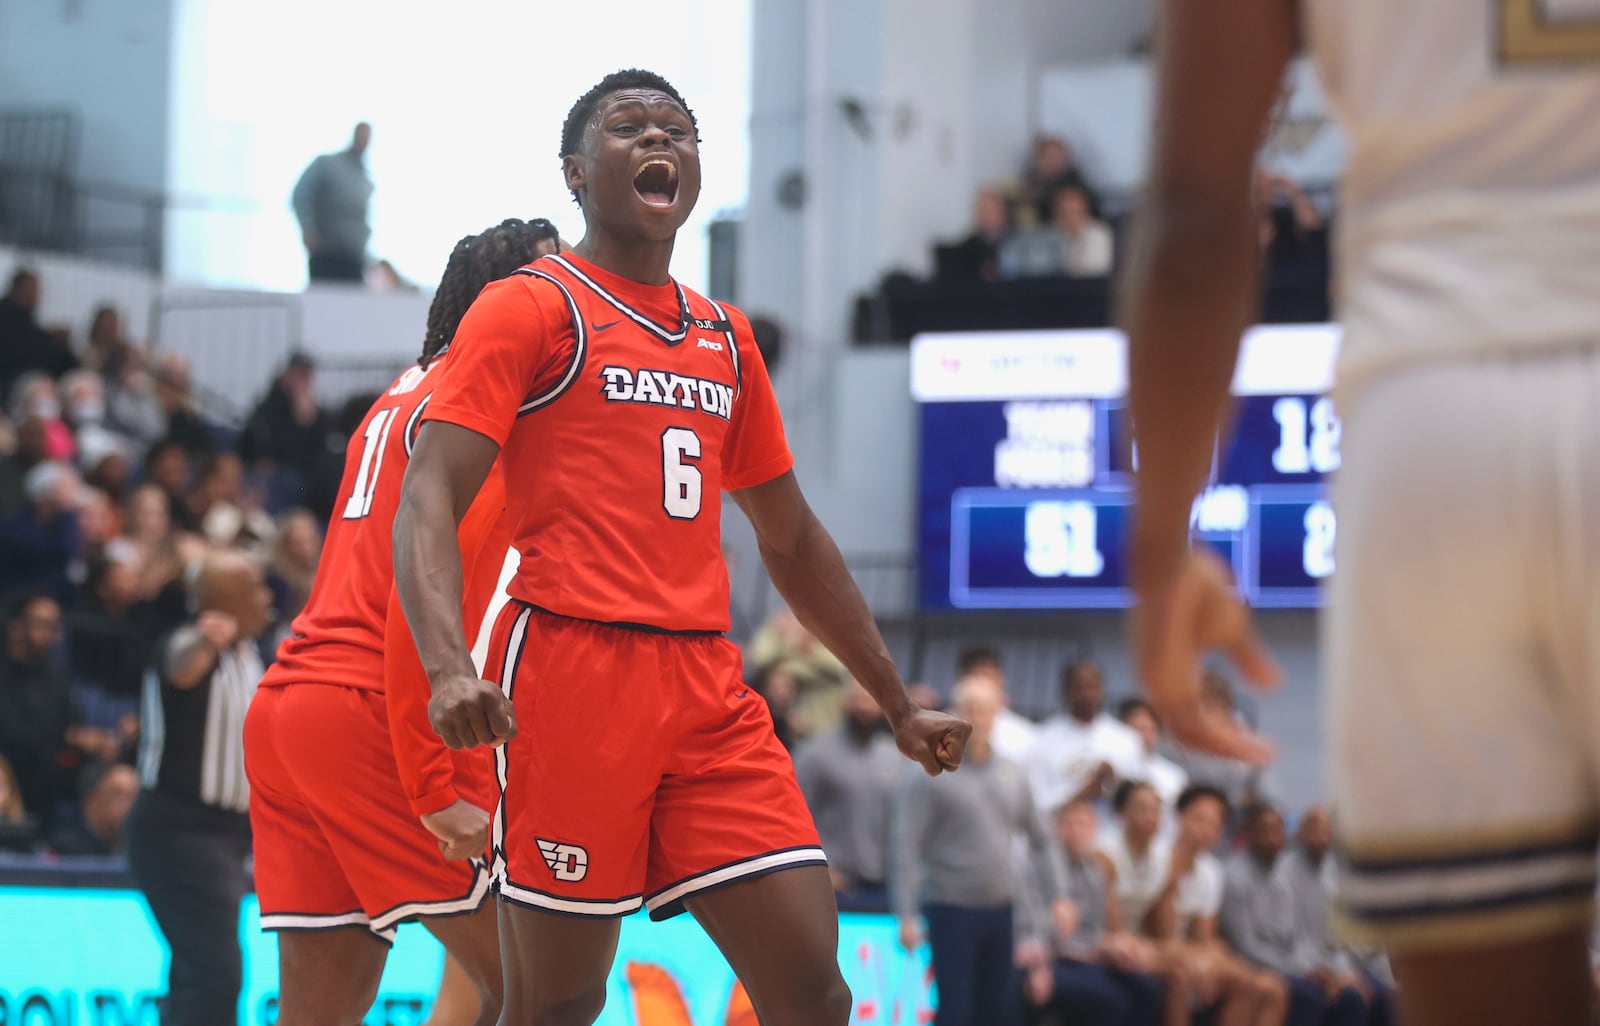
x,y
189,861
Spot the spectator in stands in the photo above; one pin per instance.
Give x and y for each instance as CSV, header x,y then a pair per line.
x,y
36,708
288,434
19,832
848,776
1073,244
133,405
188,835
818,675
330,201
167,466
108,351
1082,967
104,459
228,513
163,555
1242,783
39,544
1136,858
954,860
109,790
1013,733
24,344
977,256
185,426
1155,769
21,449
1260,922
1051,168
108,635
294,562
775,684
33,398
1083,752
1184,920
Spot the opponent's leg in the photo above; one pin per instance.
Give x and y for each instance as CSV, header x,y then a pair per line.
x,y
780,932
1542,981
555,966
328,977
473,942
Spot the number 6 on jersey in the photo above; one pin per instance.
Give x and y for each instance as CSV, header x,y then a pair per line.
x,y
680,480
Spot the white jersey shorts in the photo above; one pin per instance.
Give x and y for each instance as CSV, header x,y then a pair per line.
x,y
1462,650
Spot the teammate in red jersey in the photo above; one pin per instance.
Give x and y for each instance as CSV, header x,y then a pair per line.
x,y
344,852
636,769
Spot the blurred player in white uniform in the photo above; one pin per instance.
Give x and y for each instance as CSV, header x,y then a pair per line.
x,y
1463,637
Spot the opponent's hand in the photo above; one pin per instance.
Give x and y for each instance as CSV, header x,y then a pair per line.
x,y
1181,617
461,828
466,712
935,741
219,629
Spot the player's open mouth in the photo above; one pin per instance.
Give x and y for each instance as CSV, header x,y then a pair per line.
x,y
657,182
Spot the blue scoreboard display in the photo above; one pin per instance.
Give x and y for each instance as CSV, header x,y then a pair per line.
x,y
1025,477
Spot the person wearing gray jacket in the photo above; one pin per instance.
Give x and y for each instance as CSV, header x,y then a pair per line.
x,y
330,201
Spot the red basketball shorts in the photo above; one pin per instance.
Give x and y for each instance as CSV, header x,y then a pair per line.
x,y
643,772
336,843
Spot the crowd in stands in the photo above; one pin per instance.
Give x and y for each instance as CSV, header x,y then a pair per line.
x,y
114,484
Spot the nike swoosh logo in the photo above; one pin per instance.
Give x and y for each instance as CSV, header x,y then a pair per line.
x,y
603,327
741,694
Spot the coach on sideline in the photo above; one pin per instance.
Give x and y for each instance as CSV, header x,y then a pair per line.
x,y
188,836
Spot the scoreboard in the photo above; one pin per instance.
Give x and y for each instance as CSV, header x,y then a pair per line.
x,y
1025,476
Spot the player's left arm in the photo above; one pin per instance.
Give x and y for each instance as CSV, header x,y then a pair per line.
x,y
1190,292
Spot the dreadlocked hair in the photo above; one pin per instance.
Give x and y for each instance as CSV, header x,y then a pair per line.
x,y
476,261
628,78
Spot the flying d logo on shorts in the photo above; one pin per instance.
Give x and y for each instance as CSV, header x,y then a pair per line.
x,y
567,861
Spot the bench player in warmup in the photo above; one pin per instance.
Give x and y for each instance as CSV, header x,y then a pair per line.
x,y
637,769
362,819
1459,645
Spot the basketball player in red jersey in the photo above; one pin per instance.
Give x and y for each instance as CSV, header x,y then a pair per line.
x,y
345,853
636,769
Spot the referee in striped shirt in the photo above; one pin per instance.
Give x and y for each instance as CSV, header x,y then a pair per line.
x,y
188,836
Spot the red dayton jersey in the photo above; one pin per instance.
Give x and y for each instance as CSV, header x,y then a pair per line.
x,y
623,410
339,637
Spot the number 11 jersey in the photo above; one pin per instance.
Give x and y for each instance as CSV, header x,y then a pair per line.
x,y
622,410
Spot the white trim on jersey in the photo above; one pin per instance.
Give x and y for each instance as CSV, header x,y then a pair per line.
x,y
669,337
502,765
333,922
453,906
580,350
413,425
727,874
733,347
572,906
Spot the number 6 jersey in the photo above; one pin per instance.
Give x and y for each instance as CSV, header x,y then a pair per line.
x,y
622,410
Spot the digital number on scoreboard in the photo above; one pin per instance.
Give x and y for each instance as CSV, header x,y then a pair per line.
x,y
1027,460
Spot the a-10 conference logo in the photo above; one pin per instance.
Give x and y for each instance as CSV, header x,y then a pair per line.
x,y
118,1008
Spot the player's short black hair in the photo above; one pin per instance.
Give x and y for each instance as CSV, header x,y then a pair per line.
x,y
1128,706
1196,792
1125,792
476,261
627,78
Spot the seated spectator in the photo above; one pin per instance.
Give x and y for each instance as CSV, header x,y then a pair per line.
x,y
1291,219
1013,733
1260,921
24,344
288,434
1241,782
977,257
1051,168
848,776
1155,769
1082,968
294,562
227,514
103,458
955,865
18,830
37,713
108,350
133,405
1135,856
185,426
108,789
818,674
1083,752
33,399
22,447
1184,921
163,555
99,522
108,637
168,467
1073,244
39,544
775,684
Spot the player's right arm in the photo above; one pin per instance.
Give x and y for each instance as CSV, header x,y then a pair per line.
x,y
496,359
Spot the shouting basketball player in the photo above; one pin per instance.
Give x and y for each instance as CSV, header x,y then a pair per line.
x,y
636,769
1459,648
